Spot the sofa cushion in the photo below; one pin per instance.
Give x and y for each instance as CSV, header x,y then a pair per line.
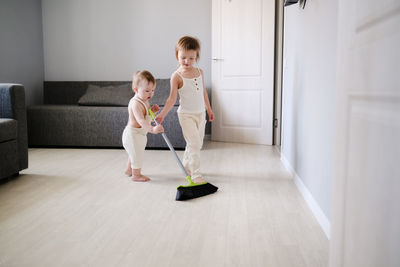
x,y
8,130
107,96
68,125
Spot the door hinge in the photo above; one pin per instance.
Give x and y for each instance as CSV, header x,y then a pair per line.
x,y
275,123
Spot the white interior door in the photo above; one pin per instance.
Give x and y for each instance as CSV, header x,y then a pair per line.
x,y
366,196
242,70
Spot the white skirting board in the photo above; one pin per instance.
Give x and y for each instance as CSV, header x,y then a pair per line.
x,y
308,197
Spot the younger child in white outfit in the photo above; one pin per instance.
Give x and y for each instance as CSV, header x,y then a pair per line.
x,y
134,137
188,81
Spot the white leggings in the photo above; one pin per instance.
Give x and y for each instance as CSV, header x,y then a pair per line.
x,y
193,126
134,141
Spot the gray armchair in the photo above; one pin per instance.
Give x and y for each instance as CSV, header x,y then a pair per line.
x,y
13,130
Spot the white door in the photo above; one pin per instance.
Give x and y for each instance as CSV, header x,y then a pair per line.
x,y
366,184
242,70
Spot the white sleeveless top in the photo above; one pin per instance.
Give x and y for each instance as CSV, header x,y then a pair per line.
x,y
191,95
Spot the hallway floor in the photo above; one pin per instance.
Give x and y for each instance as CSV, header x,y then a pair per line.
x,y
75,207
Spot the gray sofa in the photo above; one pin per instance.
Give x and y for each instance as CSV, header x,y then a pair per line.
x,y
61,122
13,130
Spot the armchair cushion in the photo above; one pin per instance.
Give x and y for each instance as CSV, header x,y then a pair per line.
x,y
13,130
8,130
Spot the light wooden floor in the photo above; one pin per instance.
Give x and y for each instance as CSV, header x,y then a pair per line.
x,y
75,207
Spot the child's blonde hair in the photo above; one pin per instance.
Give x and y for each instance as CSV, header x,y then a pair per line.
x,y
142,75
188,43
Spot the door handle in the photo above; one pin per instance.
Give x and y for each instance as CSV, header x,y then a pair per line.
x,y
216,59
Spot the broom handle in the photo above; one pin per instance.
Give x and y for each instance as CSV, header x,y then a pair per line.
x,y
172,149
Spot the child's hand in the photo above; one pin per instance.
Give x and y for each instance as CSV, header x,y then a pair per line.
x,y
157,129
159,118
155,108
210,115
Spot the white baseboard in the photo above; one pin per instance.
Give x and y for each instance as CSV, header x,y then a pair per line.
x,y
312,204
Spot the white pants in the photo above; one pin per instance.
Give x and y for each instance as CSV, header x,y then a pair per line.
x,y
193,126
134,141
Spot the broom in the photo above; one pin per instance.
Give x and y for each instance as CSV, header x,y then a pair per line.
x,y
192,190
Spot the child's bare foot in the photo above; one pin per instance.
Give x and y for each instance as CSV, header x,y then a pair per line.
x,y
199,180
140,178
128,172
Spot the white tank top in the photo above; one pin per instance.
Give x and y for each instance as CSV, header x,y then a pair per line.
x,y
191,95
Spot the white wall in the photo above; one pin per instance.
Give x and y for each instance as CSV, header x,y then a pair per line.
x,y
309,96
109,40
21,46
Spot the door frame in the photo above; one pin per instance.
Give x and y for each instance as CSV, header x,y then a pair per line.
x,y
278,72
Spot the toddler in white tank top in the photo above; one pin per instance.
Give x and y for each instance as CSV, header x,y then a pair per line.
x,y
188,82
